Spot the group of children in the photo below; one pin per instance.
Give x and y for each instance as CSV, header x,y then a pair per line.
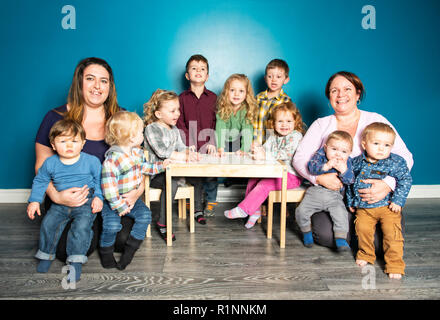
x,y
180,128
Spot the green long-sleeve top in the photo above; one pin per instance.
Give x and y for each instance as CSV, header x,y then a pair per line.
x,y
229,130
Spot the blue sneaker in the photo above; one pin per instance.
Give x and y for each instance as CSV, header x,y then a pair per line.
x,y
342,245
308,239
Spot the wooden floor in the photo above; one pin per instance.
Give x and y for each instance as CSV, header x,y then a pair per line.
x,y
224,261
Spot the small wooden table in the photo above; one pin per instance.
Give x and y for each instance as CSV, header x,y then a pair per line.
x,y
230,165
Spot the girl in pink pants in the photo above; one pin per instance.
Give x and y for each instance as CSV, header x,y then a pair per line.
x,y
288,128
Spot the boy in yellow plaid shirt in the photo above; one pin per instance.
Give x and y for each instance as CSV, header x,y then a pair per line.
x,y
276,75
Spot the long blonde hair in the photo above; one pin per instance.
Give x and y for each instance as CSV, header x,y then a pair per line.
x,y
225,107
75,99
155,103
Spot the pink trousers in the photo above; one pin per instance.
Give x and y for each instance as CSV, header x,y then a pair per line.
x,y
257,191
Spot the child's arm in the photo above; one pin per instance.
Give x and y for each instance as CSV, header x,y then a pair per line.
x,y
317,163
158,143
347,176
403,178
109,185
97,202
32,208
41,182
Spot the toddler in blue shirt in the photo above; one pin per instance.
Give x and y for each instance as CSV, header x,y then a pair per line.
x,y
68,168
333,157
377,162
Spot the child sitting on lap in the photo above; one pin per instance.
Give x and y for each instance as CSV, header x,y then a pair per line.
x,y
333,157
68,168
122,172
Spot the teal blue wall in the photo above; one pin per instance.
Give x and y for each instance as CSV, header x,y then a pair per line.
x,y
148,42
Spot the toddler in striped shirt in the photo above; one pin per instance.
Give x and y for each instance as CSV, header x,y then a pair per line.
x,y
122,171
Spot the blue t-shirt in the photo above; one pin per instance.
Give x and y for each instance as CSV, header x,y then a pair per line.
x,y
93,147
86,171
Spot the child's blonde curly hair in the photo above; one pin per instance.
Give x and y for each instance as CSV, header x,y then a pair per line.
x,y
121,127
155,103
225,107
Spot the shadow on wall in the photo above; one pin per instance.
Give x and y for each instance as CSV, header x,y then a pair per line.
x,y
311,107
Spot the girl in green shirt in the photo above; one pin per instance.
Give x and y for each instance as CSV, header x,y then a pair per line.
x,y
236,111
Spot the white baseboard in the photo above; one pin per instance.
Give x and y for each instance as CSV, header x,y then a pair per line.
x,y
233,193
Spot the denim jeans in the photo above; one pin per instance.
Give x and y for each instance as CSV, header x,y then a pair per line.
x,y
78,238
210,185
111,223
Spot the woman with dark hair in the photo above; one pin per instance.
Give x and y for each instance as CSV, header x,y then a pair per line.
x,y
344,90
91,101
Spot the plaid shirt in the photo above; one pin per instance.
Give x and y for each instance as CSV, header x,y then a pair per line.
x,y
265,105
122,172
161,142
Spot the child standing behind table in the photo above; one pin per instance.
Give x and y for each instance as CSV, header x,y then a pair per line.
x,y
197,120
237,109
333,157
163,141
288,128
122,172
377,162
276,75
68,168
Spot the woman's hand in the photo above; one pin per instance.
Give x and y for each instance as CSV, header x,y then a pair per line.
x,y
132,196
72,197
329,181
378,191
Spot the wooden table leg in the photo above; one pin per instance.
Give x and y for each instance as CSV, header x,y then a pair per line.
x,y
168,189
283,209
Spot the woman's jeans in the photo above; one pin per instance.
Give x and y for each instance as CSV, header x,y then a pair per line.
x,y
78,238
111,223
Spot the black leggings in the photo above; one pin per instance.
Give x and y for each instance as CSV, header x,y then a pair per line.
x,y
322,229
121,238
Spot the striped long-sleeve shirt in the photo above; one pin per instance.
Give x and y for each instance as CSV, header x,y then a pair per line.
x,y
264,106
122,172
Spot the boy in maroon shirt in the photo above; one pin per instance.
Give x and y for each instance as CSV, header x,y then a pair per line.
x,y
197,119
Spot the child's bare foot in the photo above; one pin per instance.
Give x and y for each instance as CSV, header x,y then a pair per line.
x,y
397,276
361,263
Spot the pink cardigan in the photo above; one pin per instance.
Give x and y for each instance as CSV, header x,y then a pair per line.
x,y
316,136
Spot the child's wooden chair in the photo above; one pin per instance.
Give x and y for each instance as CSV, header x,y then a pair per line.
x,y
183,193
292,195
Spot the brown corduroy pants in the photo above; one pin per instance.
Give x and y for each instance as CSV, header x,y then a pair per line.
x,y
365,225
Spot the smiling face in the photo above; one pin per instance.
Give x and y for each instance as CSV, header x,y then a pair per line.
x,y
197,72
237,92
283,122
378,145
67,146
275,79
337,149
95,85
343,96
168,112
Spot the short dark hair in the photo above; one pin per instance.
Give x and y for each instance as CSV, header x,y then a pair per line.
x,y
196,57
278,63
66,127
354,79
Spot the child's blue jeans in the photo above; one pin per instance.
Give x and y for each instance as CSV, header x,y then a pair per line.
x,y
78,238
111,223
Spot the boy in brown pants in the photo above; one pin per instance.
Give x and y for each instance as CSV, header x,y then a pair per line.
x,y
377,162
